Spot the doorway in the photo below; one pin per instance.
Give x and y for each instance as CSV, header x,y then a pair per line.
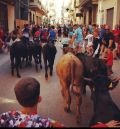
x,y
110,14
4,17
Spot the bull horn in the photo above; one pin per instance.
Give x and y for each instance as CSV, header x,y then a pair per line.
x,y
110,86
87,79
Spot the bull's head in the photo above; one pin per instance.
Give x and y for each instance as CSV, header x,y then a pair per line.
x,y
67,49
104,83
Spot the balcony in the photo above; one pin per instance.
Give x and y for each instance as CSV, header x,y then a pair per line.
x,y
84,2
94,1
36,6
11,2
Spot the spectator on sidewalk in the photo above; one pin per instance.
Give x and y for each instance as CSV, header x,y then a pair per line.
x,y
27,92
116,33
109,60
89,46
107,41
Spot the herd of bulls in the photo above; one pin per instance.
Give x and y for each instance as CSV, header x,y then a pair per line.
x,y
20,51
75,72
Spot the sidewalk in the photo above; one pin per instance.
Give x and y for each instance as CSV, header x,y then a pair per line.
x,y
4,58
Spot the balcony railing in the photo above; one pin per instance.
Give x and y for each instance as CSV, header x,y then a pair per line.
x,y
37,6
12,2
84,2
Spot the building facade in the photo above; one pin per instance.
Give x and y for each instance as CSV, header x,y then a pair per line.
x,y
99,12
109,12
51,7
89,10
21,12
36,12
7,14
77,11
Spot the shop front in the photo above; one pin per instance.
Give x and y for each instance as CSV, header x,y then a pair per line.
x,y
3,17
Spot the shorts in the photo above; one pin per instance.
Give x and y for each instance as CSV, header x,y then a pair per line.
x,y
113,46
71,33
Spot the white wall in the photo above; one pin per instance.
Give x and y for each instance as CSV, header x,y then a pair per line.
x,y
103,5
118,12
11,17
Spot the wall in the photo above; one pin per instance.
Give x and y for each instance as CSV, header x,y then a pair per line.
x,y
118,12
77,18
103,5
35,16
11,17
21,10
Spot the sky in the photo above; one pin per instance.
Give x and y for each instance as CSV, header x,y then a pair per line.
x,y
58,4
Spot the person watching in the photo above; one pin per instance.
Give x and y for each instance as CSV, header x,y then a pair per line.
x,y
27,92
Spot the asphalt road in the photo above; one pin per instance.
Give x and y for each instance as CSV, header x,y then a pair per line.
x,y
52,104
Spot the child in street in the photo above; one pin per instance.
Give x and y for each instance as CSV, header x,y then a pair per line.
x,y
109,60
89,47
65,40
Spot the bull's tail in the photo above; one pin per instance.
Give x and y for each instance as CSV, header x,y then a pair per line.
x,y
72,72
73,86
76,89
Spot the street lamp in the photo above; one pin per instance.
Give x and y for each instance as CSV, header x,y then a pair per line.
x,y
67,9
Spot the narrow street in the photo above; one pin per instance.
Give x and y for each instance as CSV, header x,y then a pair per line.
x,y
52,104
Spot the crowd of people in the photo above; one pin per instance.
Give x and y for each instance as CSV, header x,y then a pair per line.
x,y
28,34
97,42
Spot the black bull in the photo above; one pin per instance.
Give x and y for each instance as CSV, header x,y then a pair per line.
x,y
95,70
49,53
105,109
19,50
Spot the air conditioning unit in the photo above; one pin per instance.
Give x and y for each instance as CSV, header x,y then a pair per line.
x,y
79,15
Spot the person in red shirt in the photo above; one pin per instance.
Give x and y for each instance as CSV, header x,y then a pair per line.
x,y
1,32
1,37
116,33
109,60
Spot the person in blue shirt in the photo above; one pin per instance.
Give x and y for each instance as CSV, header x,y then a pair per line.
x,y
77,38
90,28
52,35
102,31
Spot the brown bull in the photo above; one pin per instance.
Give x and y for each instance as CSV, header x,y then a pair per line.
x,y
70,72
